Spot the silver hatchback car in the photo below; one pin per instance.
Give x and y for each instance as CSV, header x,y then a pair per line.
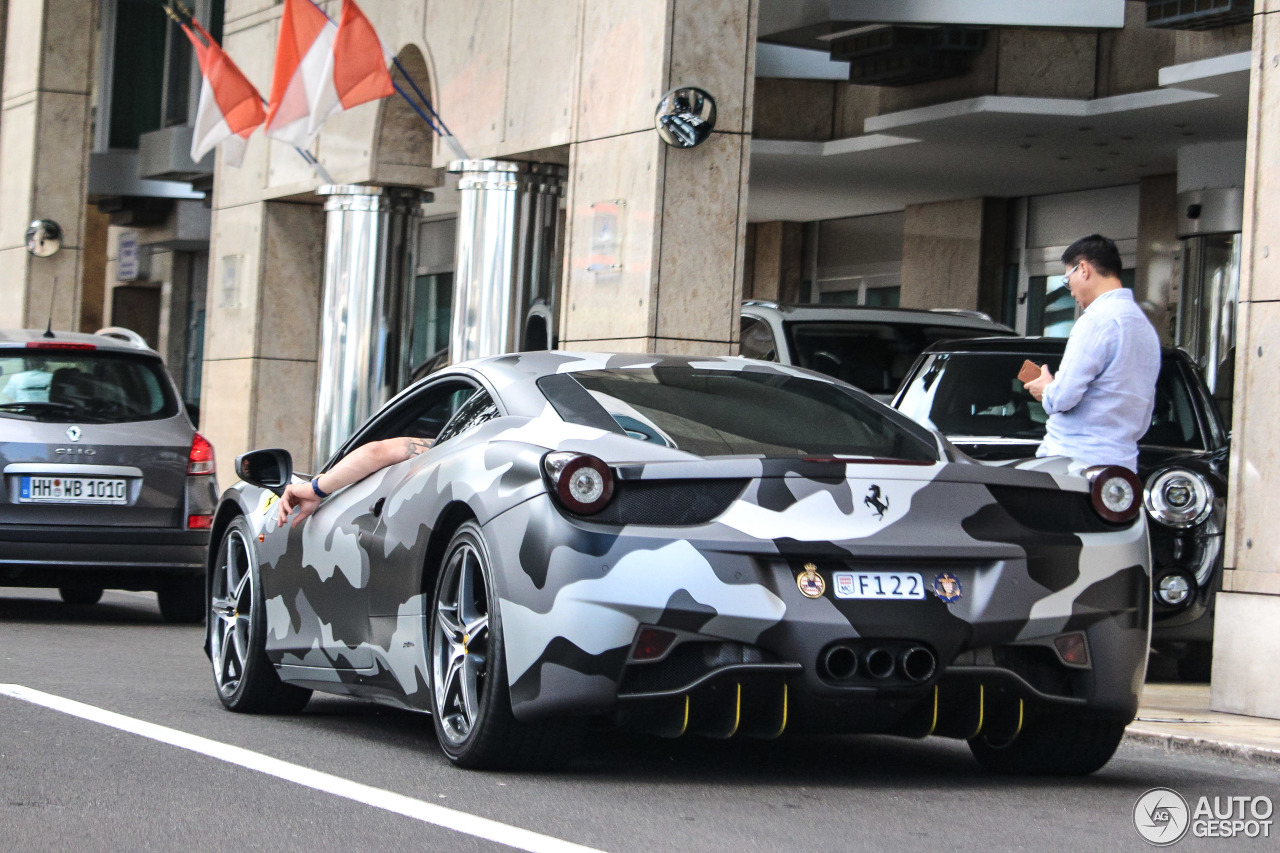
x,y
106,482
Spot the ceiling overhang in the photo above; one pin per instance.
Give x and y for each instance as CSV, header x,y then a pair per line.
x,y
815,23
1002,146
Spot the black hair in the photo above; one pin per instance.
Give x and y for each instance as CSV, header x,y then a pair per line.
x,y
1100,252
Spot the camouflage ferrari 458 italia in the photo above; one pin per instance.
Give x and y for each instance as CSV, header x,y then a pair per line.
x,y
715,546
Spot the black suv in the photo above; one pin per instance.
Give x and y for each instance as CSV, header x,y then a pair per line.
x,y
968,390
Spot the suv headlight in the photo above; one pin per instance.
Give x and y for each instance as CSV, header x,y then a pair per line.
x,y
1178,497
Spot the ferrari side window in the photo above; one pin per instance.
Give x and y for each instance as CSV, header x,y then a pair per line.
x,y
427,413
475,411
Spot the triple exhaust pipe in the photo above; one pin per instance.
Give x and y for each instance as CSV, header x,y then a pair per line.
x,y
843,661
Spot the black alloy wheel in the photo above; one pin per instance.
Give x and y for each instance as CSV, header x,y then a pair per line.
x,y
245,678
470,698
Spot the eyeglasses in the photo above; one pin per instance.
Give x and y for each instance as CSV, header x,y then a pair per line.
x,y
1066,279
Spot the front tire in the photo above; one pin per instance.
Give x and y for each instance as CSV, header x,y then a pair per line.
x,y
470,698
245,679
1062,744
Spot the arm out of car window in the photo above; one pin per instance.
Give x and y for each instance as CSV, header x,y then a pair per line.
x,y
355,466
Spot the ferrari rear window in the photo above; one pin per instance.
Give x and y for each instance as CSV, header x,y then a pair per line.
x,y
728,413
63,386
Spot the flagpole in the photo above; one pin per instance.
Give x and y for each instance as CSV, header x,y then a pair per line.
x,y
447,135
319,170
417,109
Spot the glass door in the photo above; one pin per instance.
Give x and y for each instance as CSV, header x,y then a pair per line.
x,y
1206,325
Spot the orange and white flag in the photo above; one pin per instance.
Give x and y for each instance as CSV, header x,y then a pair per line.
x,y
230,107
302,52
356,71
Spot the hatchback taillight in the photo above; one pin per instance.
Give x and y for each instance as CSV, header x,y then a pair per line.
x,y
200,460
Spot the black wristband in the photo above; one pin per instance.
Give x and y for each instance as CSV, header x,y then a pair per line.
x,y
315,487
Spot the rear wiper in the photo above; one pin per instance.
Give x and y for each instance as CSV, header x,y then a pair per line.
x,y
36,404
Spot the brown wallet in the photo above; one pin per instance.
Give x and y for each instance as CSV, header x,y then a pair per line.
x,y
1030,370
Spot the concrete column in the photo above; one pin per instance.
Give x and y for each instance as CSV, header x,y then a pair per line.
x,y
364,340
953,255
681,214
1246,644
1157,276
777,264
262,320
504,296
44,145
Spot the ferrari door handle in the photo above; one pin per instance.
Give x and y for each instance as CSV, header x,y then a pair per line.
x,y
376,509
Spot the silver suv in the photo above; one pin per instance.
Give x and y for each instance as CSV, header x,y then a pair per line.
x,y
872,348
106,481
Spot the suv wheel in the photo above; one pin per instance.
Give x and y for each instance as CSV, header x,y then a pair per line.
x,y
80,594
182,600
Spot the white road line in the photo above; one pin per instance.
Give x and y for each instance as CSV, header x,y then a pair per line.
x,y
492,830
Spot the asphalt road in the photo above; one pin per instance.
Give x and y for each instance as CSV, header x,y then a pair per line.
x,y
351,776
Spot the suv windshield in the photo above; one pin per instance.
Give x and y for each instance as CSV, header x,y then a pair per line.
x,y
726,413
873,356
978,394
85,386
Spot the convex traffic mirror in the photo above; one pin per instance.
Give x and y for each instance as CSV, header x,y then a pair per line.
x,y
685,117
44,238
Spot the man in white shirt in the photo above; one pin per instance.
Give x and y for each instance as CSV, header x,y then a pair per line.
x,y
1101,401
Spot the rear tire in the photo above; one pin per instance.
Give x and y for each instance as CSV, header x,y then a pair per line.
x,y
470,698
1060,744
245,679
182,600
80,594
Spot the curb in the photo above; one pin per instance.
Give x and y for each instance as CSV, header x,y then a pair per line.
x,y
1203,746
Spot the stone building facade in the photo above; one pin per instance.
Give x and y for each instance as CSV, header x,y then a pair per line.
x,y
822,182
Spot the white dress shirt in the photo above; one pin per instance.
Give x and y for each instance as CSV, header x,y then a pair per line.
x,y
1100,402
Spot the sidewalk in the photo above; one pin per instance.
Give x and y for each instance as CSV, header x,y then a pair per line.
x,y
1177,717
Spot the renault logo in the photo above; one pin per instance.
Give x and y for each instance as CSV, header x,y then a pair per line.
x,y
73,433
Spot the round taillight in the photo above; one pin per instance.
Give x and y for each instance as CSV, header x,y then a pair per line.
x,y
1116,493
582,483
